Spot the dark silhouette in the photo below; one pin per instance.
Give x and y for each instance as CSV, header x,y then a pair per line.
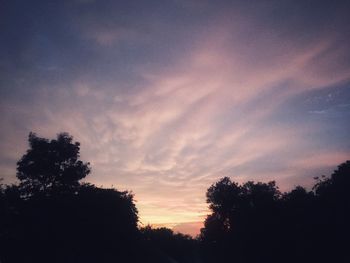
x,y
244,217
50,216
178,247
51,166
254,222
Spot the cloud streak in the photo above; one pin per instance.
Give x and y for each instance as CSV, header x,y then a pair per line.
x,y
232,98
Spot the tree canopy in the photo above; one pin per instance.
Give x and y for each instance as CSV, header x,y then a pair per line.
x,y
50,216
51,165
255,222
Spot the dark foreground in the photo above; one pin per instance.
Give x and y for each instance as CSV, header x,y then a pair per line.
x,y
51,217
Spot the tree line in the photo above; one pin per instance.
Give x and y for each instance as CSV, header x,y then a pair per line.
x,y
51,216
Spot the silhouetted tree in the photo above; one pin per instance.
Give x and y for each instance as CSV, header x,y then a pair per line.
x,y
230,202
337,185
51,217
242,215
171,246
333,214
254,222
51,165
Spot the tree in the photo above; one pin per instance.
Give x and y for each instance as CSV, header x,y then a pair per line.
x,y
233,204
335,186
174,247
244,218
52,217
255,222
333,202
51,165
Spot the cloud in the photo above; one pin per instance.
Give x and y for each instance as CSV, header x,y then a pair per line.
x,y
165,108
105,36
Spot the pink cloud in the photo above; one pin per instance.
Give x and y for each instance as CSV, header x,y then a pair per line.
x,y
193,122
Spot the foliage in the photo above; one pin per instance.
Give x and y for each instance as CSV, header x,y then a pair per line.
x,y
256,223
231,204
177,246
52,217
51,165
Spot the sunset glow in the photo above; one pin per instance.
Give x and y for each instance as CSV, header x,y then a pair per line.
x,y
165,99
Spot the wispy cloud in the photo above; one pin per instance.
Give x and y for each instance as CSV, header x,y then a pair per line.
x,y
167,118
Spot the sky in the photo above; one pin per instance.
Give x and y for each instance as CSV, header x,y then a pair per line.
x,y
167,97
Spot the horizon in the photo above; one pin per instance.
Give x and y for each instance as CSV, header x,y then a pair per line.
x,y
167,97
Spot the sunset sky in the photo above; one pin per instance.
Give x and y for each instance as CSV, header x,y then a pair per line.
x,y
166,97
